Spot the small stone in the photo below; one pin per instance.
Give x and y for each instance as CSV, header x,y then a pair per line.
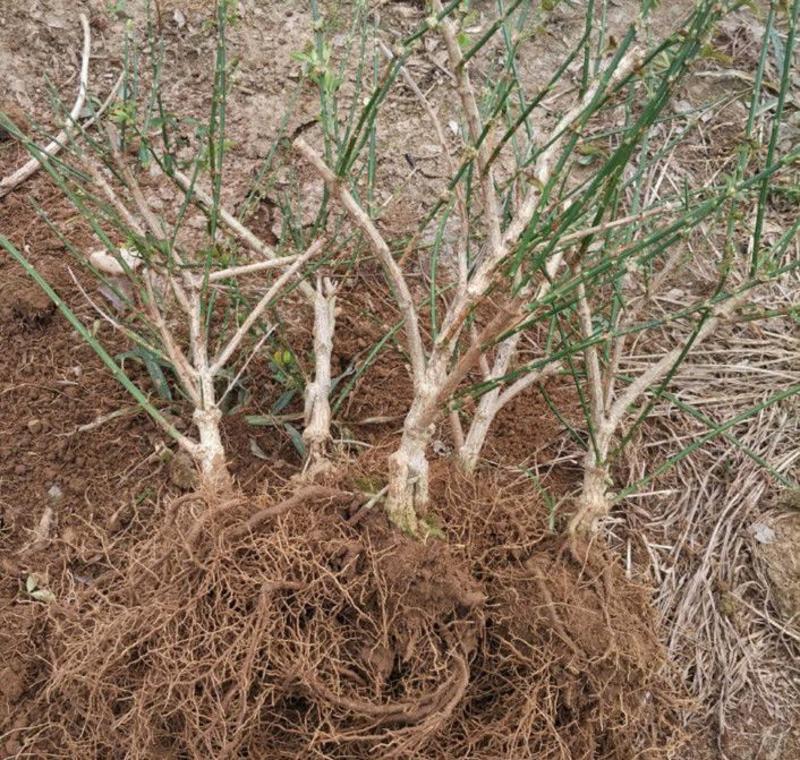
x,y
55,492
69,536
762,533
20,469
35,426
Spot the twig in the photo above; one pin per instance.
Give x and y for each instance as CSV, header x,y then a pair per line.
x,y
153,222
219,362
104,418
259,266
7,184
393,271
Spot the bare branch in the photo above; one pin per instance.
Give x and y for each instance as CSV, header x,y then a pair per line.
x,y
475,126
594,375
186,372
259,266
7,184
122,209
225,354
526,381
543,168
660,369
154,224
317,412
239,229
393,271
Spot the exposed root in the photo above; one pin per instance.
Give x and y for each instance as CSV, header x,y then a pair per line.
x,y
289,630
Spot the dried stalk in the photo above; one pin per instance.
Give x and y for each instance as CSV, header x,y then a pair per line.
x,y
7,184
317,412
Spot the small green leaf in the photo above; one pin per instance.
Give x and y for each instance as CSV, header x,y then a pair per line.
x,y
283,401
31,582
296,438
153,366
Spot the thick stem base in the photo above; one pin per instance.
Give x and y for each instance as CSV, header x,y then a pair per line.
x,y
594,502
210,453
408,482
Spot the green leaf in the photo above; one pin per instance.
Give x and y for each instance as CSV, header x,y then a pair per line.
x,y
283,401
153,366
296,438
31,582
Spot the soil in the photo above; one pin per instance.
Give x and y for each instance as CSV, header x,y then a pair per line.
x,y
320,632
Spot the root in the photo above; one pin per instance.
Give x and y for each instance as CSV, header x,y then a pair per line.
x,y
262,622
288,630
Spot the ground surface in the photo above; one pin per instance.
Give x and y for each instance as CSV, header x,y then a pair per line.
x,y
83,473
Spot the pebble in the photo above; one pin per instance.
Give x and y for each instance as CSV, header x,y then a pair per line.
x,y
35,426
20,469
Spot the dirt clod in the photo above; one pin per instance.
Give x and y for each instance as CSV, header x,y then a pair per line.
x,y
182,472
781,557
31,306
